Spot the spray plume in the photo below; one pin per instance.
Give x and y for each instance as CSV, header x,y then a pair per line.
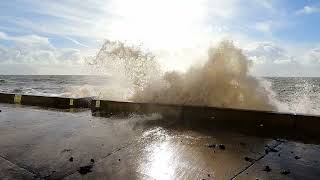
x,y
222,81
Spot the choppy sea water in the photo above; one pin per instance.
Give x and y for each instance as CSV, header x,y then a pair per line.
x,y
300,94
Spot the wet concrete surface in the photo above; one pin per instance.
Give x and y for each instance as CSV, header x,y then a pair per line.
x,y
39,144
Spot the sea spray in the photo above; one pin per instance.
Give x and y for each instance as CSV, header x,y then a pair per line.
x,y
127,63
222,81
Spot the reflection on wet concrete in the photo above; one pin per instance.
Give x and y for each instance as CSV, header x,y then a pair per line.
x,y
37,143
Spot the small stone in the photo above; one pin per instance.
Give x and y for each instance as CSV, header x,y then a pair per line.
x,y
71,159
297,157
208,175
119,159
279,154
270,149
0,110
285,172
248,159
267,169
85,169
222,147
211,145
92,160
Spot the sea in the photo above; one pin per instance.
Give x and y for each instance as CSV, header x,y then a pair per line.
x,y
297,94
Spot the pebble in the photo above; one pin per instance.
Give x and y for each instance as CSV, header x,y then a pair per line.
x,y
267,169
85,169
297,157
71,159
222,147
285,172
211,145
248,159
92,160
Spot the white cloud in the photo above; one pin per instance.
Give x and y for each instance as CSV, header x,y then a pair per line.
x,y
270,59
264,26
176,25
313,56
309,10
35,49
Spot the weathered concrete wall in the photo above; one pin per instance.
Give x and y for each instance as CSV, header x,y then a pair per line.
x,y
6,98
53,102
250,121
255,122
108,108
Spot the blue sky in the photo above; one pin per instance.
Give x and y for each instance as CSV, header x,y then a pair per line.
x,y
54,36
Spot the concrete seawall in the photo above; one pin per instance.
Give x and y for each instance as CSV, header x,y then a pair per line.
x,y
42,101
272,124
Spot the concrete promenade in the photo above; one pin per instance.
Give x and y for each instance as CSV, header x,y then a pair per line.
x,y
37,143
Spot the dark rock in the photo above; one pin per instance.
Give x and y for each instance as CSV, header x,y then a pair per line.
x,y
0,110
66,150
248,159
297,157
71,159
273,150
279,154
92,160
208,175
211,145
222,147
85,169
119,159
267,169
270,149
285,172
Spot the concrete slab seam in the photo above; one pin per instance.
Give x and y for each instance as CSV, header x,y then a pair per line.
x,y
71,102
35,174
250,165
97,103
113,152
17,99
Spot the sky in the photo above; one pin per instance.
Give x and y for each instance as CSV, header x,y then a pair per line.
x,y
281,37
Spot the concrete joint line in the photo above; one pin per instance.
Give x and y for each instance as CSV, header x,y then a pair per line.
x,y
253,163
71,102
97,103
113,152
17,99
35,174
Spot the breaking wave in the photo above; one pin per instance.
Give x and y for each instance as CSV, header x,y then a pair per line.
x,y
222,81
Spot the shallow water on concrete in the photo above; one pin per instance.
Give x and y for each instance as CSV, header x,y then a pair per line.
x,y
38,143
